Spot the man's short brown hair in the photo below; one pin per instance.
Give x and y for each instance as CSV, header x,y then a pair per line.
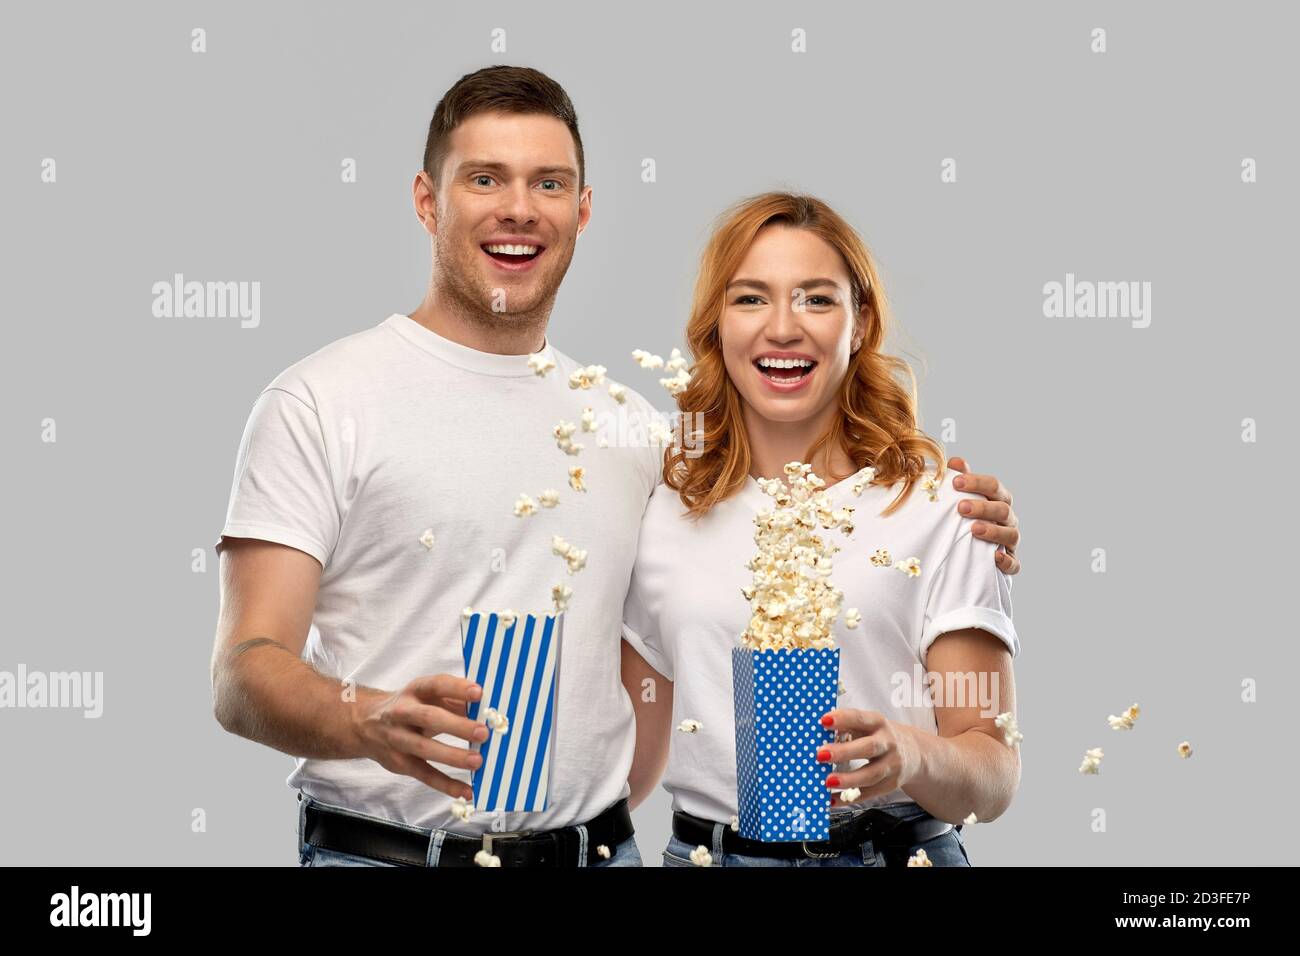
x,y
508,89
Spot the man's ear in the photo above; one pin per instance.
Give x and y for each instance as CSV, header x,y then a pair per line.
x,y
584,209
426,202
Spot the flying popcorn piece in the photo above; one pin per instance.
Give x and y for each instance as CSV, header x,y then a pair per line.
x,y
602,442
931,486
881,558
461,809
588,377
971,820
564,438
525,506
919,858
576,473
1125,720
618,393
852,618
911,567
1185,750
1091,761
689,726
576,558
549,498
701,856
484,858
646,359
560,594
1010,732
602,851
495,719
540,364
559,546
850,795
467,612
660,433
676,361
861,480
676,384
840,691
426,539
507,618
735,822
588,419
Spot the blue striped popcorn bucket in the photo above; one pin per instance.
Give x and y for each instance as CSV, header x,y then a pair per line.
x,y
518,668
780,697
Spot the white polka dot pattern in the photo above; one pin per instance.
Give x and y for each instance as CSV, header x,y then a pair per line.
x,y
780,697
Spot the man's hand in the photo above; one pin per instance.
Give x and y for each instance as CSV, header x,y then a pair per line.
x,y
395,730
999,523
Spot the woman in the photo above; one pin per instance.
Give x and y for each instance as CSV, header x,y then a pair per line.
x,y
786,330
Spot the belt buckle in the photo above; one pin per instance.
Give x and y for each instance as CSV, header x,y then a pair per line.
x,y
811,854
489,836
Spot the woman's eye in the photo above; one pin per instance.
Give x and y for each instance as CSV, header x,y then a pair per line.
x,y
825,300
744,300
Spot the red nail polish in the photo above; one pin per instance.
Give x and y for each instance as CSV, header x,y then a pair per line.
x,y
824,755
828,720
833,780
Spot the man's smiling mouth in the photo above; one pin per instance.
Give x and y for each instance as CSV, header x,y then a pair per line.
x,y
512,253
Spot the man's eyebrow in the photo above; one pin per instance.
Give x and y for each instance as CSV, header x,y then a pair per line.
x,y
503,168
763,287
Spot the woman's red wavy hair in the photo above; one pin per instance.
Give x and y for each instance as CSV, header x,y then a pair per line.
x,y
877,425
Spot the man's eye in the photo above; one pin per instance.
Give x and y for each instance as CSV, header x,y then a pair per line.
x,y
482,179
558,184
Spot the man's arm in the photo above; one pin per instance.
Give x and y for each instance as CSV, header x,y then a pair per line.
x,y
653,720
263,690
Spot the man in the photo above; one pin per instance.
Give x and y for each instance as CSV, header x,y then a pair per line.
x,y
375,497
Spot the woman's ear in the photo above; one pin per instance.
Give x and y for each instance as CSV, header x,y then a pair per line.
x,y
860,328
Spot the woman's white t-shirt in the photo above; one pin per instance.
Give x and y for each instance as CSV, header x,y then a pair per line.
x,y
685,612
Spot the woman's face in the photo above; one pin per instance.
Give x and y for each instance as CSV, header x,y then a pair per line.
x,y
789,304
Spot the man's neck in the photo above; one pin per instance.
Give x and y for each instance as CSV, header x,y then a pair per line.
x,y
496,333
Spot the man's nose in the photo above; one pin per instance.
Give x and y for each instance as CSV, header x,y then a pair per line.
x,y
517,204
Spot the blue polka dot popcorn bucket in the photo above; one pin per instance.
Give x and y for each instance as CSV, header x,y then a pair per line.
x,y
780,697
517,663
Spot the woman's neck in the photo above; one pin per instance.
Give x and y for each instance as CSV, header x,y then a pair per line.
x,y
773,444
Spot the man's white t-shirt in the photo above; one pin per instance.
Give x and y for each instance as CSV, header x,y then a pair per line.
x,y
353,452
685,612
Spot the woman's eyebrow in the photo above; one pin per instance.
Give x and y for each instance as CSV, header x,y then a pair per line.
x,y
763,287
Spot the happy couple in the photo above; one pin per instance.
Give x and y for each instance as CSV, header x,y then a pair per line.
x,y
377,492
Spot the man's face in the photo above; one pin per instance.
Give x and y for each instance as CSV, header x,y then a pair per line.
x,y
509,211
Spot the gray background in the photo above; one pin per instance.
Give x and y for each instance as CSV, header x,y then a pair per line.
x,y
1123,166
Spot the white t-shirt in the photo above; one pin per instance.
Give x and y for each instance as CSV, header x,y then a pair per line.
x,y
685,612
353,452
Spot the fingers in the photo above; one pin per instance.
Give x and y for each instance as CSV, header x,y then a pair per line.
x,y
958,464
860,722
434,686
874,774
999,512
432,720
417,745
986,485
1007,563
861,748
415,767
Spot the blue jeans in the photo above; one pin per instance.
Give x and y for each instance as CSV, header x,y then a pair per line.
x,y
625,854
948,849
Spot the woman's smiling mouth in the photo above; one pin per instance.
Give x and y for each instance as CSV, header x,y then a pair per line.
x,y
784,374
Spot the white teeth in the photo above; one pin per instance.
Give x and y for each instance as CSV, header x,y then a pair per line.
x,y
511,250
784,363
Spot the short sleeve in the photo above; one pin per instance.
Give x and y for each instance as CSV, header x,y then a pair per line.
x,y
969,590
641,628
283,490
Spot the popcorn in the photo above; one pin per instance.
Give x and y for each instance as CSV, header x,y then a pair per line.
x,y
460,809
840,691
559,545
660,433
971,820
690,726
588,377
540,364
549,498
676,361
647,360
576,473
881,558
602,442
602,851
1184,750
484,858
793,602
467,612
588,419
911,567
560,594
931,485
1091,761
507,618
497,720
618,393
852,618
676,384
850,795
861,480
525,506
1010,732
919,858
576,559
701,856
1125,720
564,438
735,822
426,539
844,517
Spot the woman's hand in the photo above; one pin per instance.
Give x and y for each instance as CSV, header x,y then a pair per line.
x,y
999,523
889,746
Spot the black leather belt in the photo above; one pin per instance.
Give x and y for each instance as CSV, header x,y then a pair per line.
x,y
344,833
848,831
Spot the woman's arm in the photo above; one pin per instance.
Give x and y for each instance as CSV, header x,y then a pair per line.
x,y
653,704
965,768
